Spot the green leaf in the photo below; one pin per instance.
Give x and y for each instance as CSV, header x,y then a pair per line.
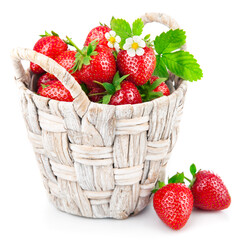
x,y
122,29
160,68
147,37
84,88
86,60
106,99
137,27
169,41
183,64
55,34
193,169
156,83
117,80
109,87
177,178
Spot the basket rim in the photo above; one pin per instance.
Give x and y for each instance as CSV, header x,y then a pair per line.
x,y
182,86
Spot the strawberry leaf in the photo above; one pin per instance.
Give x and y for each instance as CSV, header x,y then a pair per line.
x,y
160,68
193,169
137,27
169,41
106,99
109,88
122,29
177,178
156,83
117,80
183,64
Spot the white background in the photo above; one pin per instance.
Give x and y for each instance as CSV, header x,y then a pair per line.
x,y
208,133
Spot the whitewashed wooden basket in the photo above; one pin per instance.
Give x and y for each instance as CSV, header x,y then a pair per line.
x,y
98,161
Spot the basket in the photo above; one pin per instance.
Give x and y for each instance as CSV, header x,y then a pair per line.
x,y
96,160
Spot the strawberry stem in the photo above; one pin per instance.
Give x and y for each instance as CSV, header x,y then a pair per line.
x,y
71,43
189,180
97,94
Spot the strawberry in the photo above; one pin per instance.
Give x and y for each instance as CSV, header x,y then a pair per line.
x,y
94,63
161,88
67,59
96,94
208,190
140,68
128,94
173,203
98,33
55,91
120,91
45,79
51,46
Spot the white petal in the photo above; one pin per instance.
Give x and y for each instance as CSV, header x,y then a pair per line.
x,y
131,52
126,46
136,39
107,35
118,39
109,44
140,51
116,46
129,40
142,43
112,33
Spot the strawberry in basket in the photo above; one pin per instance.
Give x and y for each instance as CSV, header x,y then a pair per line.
x,y
55,90
119,92
51,46
67,60
93,63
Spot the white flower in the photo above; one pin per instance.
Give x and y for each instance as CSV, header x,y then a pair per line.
x,y
113,40
134,46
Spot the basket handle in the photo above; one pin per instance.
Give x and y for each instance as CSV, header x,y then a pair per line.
x,y
163,19
51,66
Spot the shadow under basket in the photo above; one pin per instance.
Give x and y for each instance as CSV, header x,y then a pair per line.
x,y
96,160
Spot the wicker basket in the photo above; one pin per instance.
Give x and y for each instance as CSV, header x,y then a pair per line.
x,y
98,161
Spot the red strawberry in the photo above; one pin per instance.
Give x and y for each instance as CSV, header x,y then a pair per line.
x,y
140,68
55,91
173,203
45,79
161,88
96,98
94,63
49,45
209,191
67,60
98,33
128,94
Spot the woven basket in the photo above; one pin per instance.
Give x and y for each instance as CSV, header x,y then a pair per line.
x,y
96,160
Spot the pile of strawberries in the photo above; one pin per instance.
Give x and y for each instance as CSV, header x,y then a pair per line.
x,y
111,69
174,202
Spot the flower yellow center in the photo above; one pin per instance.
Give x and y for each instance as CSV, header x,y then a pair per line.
x,y
134,45
112,39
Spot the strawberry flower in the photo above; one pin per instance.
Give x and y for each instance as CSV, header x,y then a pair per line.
x,y
134,46
113,40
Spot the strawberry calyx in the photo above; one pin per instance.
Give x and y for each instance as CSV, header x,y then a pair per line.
x,y
49,34
110,88
146,90
82,57
177,178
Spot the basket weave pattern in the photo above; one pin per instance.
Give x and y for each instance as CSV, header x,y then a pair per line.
x,y
98,160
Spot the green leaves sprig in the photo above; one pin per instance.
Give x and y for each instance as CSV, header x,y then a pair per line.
x,y
124,30
179,62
